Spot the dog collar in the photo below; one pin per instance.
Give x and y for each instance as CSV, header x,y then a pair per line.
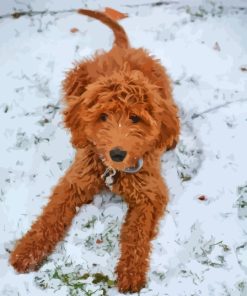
x,y
109,173
132,170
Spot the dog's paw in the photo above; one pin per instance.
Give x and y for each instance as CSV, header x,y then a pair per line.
x,y
26,258
129,280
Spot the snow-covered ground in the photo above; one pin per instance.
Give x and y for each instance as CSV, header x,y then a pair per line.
x,y
201,248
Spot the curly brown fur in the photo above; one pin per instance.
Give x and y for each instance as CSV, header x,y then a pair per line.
x,y
121,98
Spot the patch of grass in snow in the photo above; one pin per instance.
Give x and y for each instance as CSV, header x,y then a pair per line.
x,y
242,287
102,238
241,252
242,201
160,275
213,254
202,12
77,283
107,241
90,222
189,159
196,279
184,177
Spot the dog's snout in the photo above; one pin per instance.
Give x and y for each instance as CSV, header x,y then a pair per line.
x,y
117,154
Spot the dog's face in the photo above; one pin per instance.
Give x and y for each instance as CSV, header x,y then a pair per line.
x,y
121,116
122,131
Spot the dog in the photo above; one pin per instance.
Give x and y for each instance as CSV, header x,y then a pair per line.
x,y
122,118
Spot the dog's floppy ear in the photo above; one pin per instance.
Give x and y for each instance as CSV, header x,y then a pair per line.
x,y
74,121
169,126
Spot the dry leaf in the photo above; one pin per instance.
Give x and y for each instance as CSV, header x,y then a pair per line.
x,y
98,241
17,14
244,68
74,30
114,14
216,46
202,198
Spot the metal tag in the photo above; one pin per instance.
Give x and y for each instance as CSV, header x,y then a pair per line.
x,y
108,177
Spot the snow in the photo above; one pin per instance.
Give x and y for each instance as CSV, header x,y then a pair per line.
x,y
201,248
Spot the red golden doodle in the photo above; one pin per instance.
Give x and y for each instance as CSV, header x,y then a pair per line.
x,y
122,117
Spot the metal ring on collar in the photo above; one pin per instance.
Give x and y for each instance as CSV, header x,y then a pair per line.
x,y
133,170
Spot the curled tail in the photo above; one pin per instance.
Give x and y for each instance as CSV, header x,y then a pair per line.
x,y
121,38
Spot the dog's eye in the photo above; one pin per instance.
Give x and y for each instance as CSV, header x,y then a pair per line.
x,y
134,118
103,117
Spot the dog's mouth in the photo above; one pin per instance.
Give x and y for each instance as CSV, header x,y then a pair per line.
x,y
135,169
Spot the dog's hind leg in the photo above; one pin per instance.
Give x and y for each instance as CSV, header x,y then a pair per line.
x,y
76,188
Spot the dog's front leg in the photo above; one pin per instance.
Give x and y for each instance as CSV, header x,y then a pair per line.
x,y
146,205
77,187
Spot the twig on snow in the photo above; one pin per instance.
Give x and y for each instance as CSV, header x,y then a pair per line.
x,y
196,115
18,14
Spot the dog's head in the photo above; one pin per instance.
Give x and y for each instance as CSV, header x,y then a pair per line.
x,y
123,117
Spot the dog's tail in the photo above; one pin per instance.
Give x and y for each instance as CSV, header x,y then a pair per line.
x,y
121,38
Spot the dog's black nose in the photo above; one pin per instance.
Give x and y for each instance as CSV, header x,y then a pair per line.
x,y
117,154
